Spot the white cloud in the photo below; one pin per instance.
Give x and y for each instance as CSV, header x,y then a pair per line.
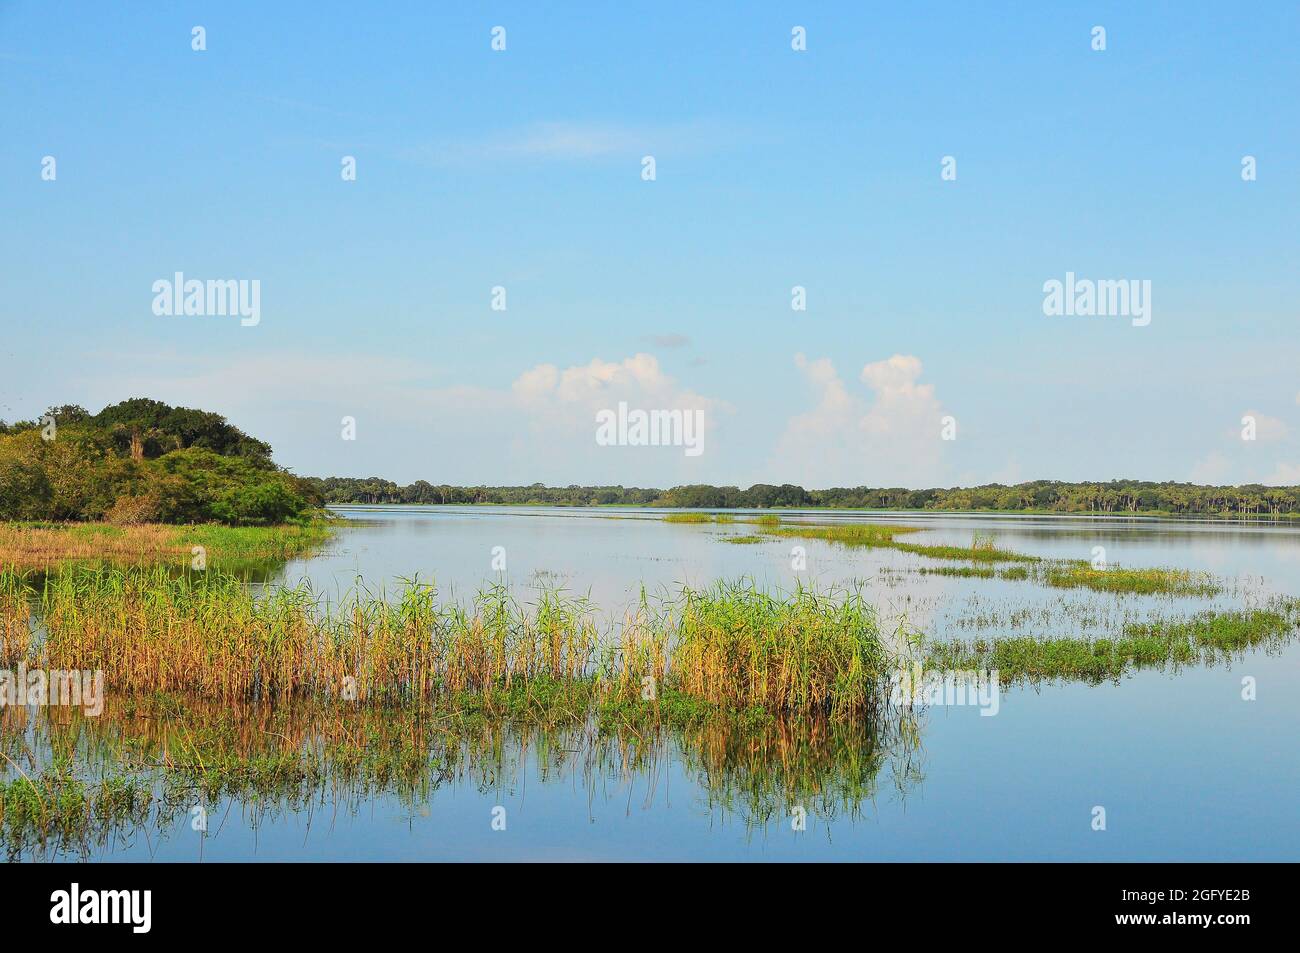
x,y
1267,429
891,438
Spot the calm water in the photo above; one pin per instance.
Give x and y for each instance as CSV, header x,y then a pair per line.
x,y
1184,768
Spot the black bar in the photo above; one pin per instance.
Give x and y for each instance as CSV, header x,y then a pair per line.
x,y
337,901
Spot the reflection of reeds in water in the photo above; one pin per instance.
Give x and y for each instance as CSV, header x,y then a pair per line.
x,y
72,783
824,766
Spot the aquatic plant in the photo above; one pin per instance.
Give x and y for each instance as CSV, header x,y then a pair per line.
x,y
690,516
1204,638
875,535
207,633
1178,582
741,647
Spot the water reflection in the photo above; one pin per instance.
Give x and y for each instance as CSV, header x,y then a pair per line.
x,y
145,768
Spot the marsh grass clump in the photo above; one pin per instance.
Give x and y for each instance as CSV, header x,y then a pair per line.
x,y
983,554
849,534
689,516
695,516
965,572
740,647
742,540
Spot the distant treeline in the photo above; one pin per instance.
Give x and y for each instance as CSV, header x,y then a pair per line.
x,y
1117,496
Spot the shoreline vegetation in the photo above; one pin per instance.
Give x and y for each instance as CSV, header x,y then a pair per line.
x,y
48,545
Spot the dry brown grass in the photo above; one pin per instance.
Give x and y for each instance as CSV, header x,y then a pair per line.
x,y
46,545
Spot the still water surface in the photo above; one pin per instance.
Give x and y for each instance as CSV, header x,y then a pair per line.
x,y
1184,768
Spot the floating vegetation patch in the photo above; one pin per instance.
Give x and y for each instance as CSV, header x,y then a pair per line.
x,y
1206,638
1080,575
1178,582
969,572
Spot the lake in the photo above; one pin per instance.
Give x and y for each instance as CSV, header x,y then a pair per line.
x,y
1183,766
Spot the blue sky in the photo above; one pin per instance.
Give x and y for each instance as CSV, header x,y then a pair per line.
x,y
775,168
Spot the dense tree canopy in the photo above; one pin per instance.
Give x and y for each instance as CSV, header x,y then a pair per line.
x,y
142,460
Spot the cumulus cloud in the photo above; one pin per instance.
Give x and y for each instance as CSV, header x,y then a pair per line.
x,y
887,437
1267,429
576,393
